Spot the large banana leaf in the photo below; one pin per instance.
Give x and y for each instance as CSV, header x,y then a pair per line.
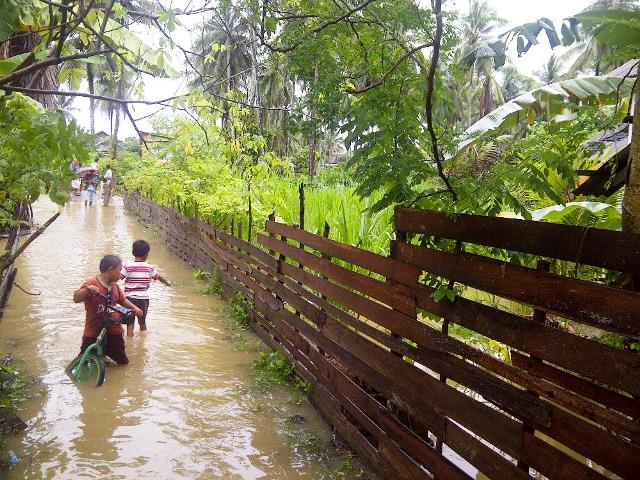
x,y
554,101
591,214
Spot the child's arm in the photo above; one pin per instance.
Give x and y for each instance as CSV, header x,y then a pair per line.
x,y
136,311
164,280
84,292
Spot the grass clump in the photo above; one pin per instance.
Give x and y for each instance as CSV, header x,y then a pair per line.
x,y
239,311
199,274
14,386
312,449
273,367
213,285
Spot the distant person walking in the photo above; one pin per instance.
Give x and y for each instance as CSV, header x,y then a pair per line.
x,y
91,185
108,185
76,182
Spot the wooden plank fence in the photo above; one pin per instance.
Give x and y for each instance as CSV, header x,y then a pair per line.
x,y
415,401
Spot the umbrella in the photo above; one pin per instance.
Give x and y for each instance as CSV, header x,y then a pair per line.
x,y
84,171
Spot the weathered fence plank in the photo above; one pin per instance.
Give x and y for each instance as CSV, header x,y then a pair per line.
x,y
591,246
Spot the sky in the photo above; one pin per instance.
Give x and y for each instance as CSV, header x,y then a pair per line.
x,y
516,12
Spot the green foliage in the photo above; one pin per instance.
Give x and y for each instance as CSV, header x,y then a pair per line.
x,y
131,145
208,177
36,148
522,172
620,342
273,367
199,274
239,311
14,384
213,285
559,102
584,214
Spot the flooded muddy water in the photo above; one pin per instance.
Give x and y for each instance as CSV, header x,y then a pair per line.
x,y
184,408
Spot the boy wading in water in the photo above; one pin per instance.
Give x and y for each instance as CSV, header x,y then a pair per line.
x,y
90,293
137,278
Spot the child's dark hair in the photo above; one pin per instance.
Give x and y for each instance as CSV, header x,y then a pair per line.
x,y
108,262
140,248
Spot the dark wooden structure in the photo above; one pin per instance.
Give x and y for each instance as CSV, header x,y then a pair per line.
x,y
414,400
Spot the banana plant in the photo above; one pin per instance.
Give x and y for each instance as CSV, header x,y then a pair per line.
x,y
557,101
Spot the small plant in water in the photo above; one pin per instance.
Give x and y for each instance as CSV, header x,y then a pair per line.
x,y
273,367
239,311
14,386
331,465
199,274
213,285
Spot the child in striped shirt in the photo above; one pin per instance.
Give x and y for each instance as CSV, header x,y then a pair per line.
x,y
137,277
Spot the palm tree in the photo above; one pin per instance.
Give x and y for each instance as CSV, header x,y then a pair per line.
x,y
550,72
590,54
479,55
515,82
277,90
479,23
115,81
223,57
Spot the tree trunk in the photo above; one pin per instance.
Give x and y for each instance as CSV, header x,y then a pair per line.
x,y
255,80
631,200
313,143
114,133
45,79
92,102
287,114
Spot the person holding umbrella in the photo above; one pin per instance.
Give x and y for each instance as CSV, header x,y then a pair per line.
x,y
91,181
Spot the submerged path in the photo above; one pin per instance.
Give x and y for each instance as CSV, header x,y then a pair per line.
x,y
183,409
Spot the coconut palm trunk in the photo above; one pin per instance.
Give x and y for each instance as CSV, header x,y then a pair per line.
x,y
92,102
114,133
313,143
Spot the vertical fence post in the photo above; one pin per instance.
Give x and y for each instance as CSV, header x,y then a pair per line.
x,y
272,218
300,244
325,234
301,195
250,215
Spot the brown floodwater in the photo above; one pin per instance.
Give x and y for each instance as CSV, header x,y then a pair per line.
x,y
186,406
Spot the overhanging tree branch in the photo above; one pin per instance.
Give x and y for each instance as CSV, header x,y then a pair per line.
x,y
48,62
392,69
6,262
311,32
436,6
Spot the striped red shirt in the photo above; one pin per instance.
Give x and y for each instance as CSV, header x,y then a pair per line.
x,y
137,278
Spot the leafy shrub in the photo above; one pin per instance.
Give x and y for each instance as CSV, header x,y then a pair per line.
x,y
13,388
274,366
239,310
